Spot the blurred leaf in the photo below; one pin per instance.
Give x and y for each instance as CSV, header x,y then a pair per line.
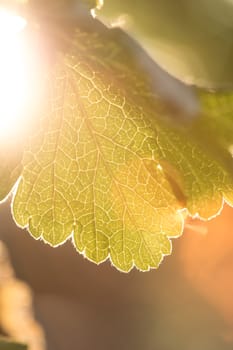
x,y
6,344
62,7
191,39
106,169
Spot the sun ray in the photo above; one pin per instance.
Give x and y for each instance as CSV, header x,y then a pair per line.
x,y
14,73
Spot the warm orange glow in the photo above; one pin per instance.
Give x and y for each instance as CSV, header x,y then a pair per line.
x,y
14,74
207,261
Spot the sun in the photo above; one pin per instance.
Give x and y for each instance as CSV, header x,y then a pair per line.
x,y
14,73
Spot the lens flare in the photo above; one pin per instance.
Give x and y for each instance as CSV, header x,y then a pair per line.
x,y
14,73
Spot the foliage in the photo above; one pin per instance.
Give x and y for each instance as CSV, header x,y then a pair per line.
x,y
9,345
112,165
191,39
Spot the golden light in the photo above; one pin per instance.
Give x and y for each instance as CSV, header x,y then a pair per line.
x,y
14,74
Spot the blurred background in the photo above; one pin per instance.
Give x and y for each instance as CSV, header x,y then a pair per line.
x,y
185,304
192,40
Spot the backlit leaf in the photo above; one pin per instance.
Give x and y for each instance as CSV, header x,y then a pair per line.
x,y
105,169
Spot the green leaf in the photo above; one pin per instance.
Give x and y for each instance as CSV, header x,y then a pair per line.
x,y
6,344
193,40
105,169
11,154
61,7
9,172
